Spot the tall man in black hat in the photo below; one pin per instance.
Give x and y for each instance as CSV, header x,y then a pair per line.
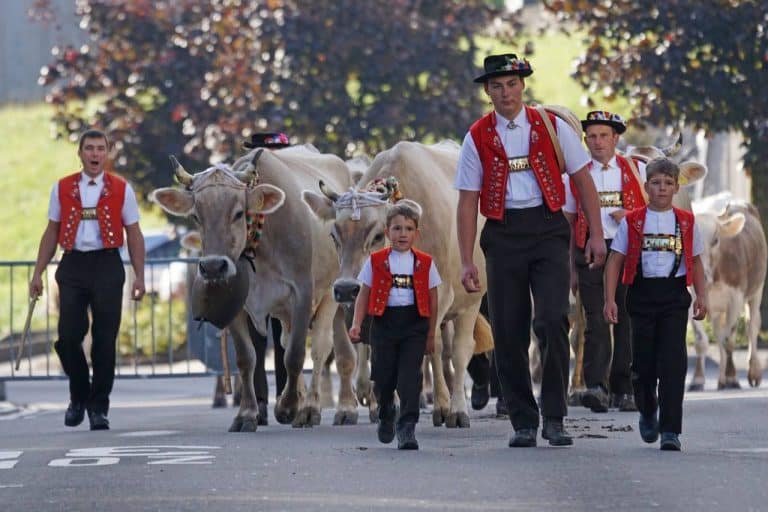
x,y
510,164
619,183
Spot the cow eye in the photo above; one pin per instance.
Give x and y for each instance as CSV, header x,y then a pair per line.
x,y
378,238
238,216
715,241
194,218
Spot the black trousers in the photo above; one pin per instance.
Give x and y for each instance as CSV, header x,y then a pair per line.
x,y
281,374
527,254
659,311
606,364
260,385
398,341
89,280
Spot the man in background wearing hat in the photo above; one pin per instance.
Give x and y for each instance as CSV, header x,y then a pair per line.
x,y
619,183
509,164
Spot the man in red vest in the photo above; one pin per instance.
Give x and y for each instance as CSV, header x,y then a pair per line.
x,y
509,164
659,247
619,182
87,215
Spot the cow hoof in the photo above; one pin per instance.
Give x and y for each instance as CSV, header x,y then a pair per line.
x,y
696,386
219,401
307,417
249,425
236,425
262,413
345,418
731,384
574,399
457,420
373,414
438,417
754,381
285,415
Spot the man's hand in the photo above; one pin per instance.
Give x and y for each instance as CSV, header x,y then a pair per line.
x,y
611,312
354,334
699,308
35,287
595,252
138,290
469,278
618,215
430,348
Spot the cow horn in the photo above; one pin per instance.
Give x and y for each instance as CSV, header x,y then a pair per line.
x,y
330,194
675,147
182,176
249,175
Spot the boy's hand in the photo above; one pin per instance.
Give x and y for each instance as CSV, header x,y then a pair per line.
x,y
354,334
430,348
611,312
699,308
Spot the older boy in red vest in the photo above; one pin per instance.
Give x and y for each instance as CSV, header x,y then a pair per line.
x,y
509,164
399,290
619,182
659,247
87,214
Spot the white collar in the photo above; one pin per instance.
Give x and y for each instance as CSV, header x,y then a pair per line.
x,y
85,179
521,119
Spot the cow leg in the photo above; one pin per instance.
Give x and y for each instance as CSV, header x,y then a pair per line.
x,y
701,343
247,418
735,308
441,406
755,372
346,360
322,343
576,339
260,385
447,332
295,332
463,347
219,399
326,383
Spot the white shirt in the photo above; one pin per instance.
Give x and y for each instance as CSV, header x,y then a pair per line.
x,y
657,263
608,180
399,263
88,236
522,188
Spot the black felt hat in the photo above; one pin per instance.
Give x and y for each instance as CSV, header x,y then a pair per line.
x,y
615,121
267,140
504,64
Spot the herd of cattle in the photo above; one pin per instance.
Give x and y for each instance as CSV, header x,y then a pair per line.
x,y
285,233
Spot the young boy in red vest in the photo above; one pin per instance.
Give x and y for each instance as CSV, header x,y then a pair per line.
x,y
399,290
660,247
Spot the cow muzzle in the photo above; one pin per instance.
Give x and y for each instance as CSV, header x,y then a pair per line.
x,y
213,268
345,290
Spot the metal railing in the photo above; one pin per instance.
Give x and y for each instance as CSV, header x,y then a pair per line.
x,y
157,338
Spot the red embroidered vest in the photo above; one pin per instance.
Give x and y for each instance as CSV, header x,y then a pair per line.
x,y
382,281
631,196
495,163
635,225
109,211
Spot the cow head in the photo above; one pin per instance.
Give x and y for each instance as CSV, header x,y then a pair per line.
x,y
359,223
222,201
714,226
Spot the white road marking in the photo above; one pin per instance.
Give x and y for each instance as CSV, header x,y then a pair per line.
x,y
149,433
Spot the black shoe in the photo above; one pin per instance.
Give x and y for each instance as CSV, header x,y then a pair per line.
x,y
480,396
501,407
74,415
554,432
262,406
98,420
669,442
649,428
386,428
596,399
523,438
624,402
406,437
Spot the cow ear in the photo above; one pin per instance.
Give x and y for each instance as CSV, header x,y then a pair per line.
x,y
265,199
191,241
731,226
320,205
691,172
174,201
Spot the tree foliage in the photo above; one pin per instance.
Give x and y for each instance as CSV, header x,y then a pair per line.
x,y
196,78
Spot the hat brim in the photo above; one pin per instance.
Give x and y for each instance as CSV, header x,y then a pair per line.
x,y
484,78
248,145
620,128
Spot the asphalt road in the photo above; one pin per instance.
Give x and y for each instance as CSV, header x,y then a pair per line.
x,y
169,450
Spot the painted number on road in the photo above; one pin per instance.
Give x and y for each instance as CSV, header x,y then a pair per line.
x,y
156,455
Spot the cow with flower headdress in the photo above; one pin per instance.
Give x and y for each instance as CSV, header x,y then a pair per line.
x,y
423,174
264,253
